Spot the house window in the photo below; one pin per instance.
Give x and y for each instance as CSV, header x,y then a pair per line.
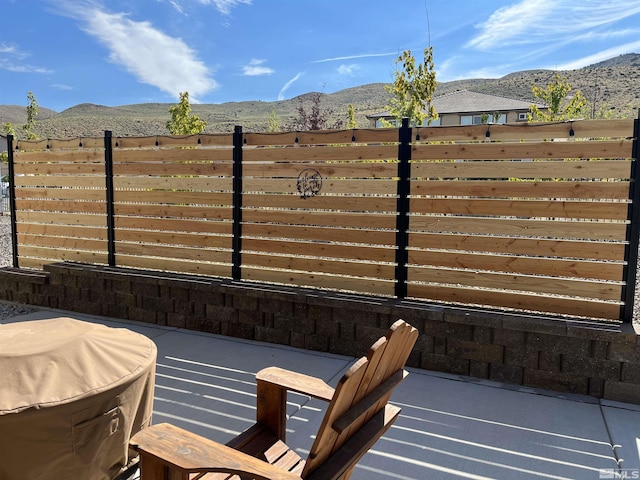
x,y
477,119
434,123
523,117
471,120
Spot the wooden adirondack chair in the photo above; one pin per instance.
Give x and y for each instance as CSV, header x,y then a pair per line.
x,y
357,416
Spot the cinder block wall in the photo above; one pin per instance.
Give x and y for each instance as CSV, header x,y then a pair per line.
x,y
593,358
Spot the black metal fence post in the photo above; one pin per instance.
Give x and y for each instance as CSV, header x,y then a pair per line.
x,y
402,218
633,230
108,170
236,256
12,203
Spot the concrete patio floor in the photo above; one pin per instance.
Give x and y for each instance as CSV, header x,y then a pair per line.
x,y
450,427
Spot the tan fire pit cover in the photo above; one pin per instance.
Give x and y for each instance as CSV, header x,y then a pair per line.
x,y
72,393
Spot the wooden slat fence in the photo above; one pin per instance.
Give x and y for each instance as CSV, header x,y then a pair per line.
x,y
536,217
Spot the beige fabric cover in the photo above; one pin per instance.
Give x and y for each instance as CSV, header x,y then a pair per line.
x,y
72,393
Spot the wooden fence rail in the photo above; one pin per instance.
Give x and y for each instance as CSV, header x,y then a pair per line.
x,y
536,217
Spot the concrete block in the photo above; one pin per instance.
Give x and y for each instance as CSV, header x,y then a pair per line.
x,y
561,382
591,367
559,344
475,351
499,372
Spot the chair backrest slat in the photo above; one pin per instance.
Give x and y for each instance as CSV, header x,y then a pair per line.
x,y
363,391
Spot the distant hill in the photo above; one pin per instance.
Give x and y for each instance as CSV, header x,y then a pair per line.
x,y
612,86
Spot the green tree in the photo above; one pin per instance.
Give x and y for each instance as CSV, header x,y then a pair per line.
x,y
351,118
556,98
32,116
273,124
413,88
183,122
9,129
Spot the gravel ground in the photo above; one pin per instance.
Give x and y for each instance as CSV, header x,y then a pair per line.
x,y
11,310
8,310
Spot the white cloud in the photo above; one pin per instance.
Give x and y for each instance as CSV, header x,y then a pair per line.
x,y
60,86
531,21
512,22
287,85
256,68
12,59
601,56
22,68
6,48
348,69
351,57
224,6
152,56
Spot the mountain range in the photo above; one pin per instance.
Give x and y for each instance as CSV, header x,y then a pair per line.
x,y
612,88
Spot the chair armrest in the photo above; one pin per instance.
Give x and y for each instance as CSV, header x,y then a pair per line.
x,y
185,452
296,382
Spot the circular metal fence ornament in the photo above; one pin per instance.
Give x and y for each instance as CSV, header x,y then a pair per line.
x,y
309,183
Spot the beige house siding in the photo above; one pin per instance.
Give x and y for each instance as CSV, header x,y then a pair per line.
x,y
454,106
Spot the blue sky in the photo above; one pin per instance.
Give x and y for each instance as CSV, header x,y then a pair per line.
x,y
119,52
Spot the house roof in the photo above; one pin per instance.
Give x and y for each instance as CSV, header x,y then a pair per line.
x,y
465,101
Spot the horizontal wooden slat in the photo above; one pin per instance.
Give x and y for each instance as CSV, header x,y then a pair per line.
x,y
521,301
520,265
62,242
179,197
173,183
172,265
174,225
344,219
619,169
323,137
331,186
335,267
352,252
62,169
523,227
320,154
174,238
62,218
522,189
321,202
96,195
69,206
34,263
520,246
528,131
328,234
155,156
69,181
525,283
186,169
173,252
334,282
187,211
61,254
79,156
521,208
187,141
67,231
539,150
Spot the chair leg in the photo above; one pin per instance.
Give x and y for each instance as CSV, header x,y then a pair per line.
x,y
150,469
271,406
